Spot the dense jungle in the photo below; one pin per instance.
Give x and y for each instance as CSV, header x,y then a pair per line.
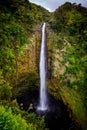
x,y
66,49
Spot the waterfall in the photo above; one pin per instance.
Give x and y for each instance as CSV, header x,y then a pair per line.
x,y
43,94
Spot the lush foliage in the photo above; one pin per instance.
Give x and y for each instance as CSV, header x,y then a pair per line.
x,y
70,55
67,58
71,40
13,121
5,88
18,20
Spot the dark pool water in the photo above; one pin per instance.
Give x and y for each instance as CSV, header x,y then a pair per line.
x,y
56,118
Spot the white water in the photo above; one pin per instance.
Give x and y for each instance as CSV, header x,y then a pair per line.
x,y
43,95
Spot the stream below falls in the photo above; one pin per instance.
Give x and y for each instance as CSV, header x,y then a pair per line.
x,y
57,118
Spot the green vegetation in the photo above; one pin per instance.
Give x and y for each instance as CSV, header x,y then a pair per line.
x,y
17,23
8,121
20,34
70,58
18,44
11,119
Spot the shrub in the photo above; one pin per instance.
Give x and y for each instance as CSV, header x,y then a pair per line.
x,y
9,121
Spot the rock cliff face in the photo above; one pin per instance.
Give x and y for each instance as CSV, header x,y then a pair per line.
x,y
29,57
30,54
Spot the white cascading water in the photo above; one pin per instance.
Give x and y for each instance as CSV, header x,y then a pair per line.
x,y
43,106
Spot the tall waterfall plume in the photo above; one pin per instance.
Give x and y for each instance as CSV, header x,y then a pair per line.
x,y
43,104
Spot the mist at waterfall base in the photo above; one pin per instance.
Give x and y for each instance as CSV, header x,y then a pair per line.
x,y
43,100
